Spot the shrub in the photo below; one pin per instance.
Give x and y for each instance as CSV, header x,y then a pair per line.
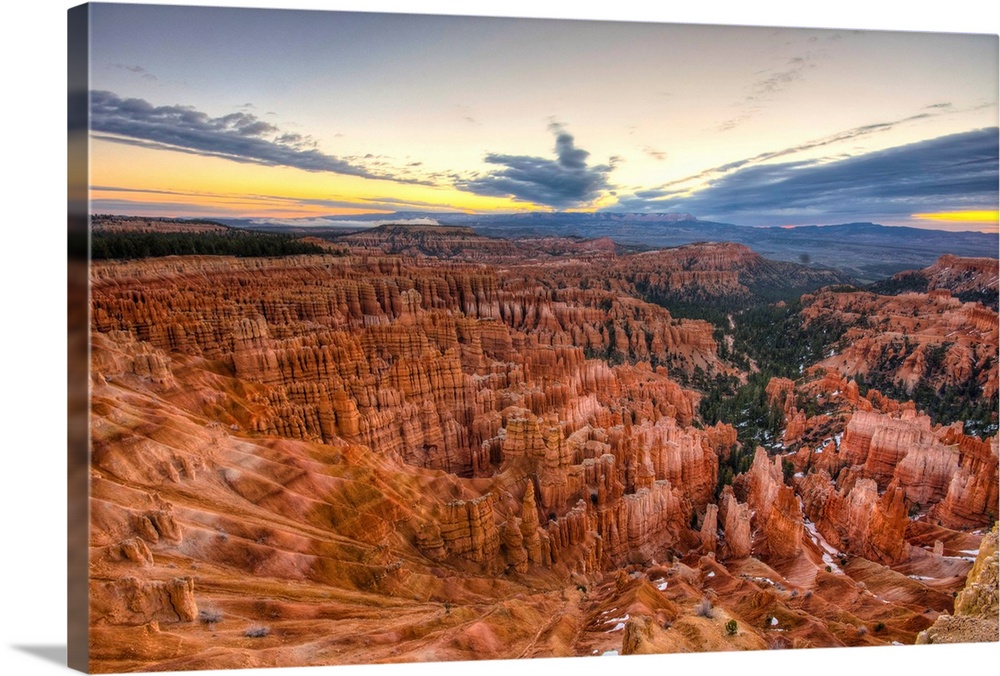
x,y
879,626
209,616
731,627
257,632
704,608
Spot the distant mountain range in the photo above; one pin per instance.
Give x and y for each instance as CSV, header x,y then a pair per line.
x,y
865,251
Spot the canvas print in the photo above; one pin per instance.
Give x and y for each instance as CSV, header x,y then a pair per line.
x,y
421,338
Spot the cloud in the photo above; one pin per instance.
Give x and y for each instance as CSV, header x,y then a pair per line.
x,y
138,70
953,172
131,200
839,137
331,222
654,153
765,88
566,181
242,137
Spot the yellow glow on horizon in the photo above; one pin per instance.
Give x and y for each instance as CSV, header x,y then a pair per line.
x,y
987,217
191,184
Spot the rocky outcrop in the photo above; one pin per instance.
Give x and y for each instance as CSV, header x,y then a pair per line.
x,y
780,393
976,611
979,598
715,271
857,519
783,526
964,275
113,223
941,468
469,530
709,528
131,601
407,358
972,497
736,517
929,339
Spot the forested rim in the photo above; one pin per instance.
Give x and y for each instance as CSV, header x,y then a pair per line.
x,y
241,243
772,340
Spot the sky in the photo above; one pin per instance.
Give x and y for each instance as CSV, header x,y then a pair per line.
x,y
34,272
226,112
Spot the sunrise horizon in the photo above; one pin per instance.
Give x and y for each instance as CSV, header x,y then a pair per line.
x,y
295,114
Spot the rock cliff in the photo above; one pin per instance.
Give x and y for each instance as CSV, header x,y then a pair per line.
x,y
976,609
374,457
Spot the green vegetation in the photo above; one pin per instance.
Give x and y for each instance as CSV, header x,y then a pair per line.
x,y
987,297
683,306
731,627
241,243
774,340
787,470
916,281
747,409
777,340
944,402
904,282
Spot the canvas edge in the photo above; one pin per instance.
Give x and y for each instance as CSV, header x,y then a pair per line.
x,y
78,357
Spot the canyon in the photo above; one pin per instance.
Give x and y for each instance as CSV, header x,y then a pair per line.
x,y
430,445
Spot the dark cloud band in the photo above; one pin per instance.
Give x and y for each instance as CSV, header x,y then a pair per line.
x,y
240,136
953,172
564,182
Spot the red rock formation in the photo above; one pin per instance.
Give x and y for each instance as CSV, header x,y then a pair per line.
x,y
780,393
763,482
958,274
446,367
709,528
783,527
904,330
931,465
736,516
131,601
857,519
471,450
972,497
775,507
469,529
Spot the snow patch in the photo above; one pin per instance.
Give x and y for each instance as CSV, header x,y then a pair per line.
x,y
621,623
825,546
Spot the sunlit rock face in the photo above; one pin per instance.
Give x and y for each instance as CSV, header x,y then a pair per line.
x,y
488,456
931,338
